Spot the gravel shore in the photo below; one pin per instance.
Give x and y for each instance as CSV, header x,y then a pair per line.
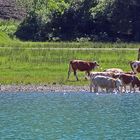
x,y
46,88
43,88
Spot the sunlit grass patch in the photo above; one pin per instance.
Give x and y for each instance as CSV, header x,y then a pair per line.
x,y
51,66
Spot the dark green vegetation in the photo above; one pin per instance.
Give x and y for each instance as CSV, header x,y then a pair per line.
x,y
75,20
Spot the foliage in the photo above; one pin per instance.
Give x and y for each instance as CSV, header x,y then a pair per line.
x,y
97,20
9,26
39,14
118,18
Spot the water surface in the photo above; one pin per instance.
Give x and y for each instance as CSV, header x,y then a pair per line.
x,y
75,116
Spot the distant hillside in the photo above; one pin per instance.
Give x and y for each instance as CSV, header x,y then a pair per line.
x,y
10,10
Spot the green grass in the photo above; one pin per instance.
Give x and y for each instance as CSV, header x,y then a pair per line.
x,y
44,66
51,66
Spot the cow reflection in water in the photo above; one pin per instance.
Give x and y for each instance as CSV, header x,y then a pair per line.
x,y
81,65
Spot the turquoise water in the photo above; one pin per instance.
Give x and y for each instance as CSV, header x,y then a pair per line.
x,y
58,116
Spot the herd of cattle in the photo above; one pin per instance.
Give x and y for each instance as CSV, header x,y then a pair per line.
x,y
113,80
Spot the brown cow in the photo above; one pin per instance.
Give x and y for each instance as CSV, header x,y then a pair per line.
x,y
135,65
128,79
81,65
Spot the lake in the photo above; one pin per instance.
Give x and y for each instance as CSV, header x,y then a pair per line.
x,y
71,116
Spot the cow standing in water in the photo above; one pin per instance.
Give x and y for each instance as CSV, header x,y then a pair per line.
x,y
81,65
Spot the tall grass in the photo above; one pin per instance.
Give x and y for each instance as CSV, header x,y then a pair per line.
x,y
51,66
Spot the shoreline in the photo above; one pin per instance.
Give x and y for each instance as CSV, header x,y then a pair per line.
x,y
42,88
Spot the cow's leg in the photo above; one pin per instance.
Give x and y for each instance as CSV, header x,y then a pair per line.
x,y
91,86
102,90
107,90
121,88
75,74
134,89
95,88
69,71
124,88
87,74
131,88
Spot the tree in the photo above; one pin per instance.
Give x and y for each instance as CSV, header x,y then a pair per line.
x,y
118,18
39,14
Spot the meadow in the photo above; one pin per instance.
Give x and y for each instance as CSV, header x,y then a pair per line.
x,y
38,63
27,66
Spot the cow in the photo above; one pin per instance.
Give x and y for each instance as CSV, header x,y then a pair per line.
x,y
114,70
93,74
128,79
81,65
135,66
105,82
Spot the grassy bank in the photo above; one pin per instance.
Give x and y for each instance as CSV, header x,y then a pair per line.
x,y
51,66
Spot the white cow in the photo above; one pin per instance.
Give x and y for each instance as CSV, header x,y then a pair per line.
x,y
105,82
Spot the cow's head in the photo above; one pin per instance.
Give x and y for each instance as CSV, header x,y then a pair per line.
x,y
135,66
116,75
95,65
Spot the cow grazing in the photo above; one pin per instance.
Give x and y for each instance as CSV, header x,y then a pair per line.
x,y
104,82
128,79
135,65
108,74
81,65
114,70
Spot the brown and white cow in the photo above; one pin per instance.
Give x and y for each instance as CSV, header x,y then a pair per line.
x,y
135,65
107,74
81,65
130,80
105,82
114,70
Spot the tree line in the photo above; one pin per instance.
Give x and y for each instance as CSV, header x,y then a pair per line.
x,y
75,20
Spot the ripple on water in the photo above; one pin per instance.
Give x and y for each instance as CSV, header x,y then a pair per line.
x,y
70,116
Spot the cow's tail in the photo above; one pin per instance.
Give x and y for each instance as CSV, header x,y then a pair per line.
x,y
69,69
